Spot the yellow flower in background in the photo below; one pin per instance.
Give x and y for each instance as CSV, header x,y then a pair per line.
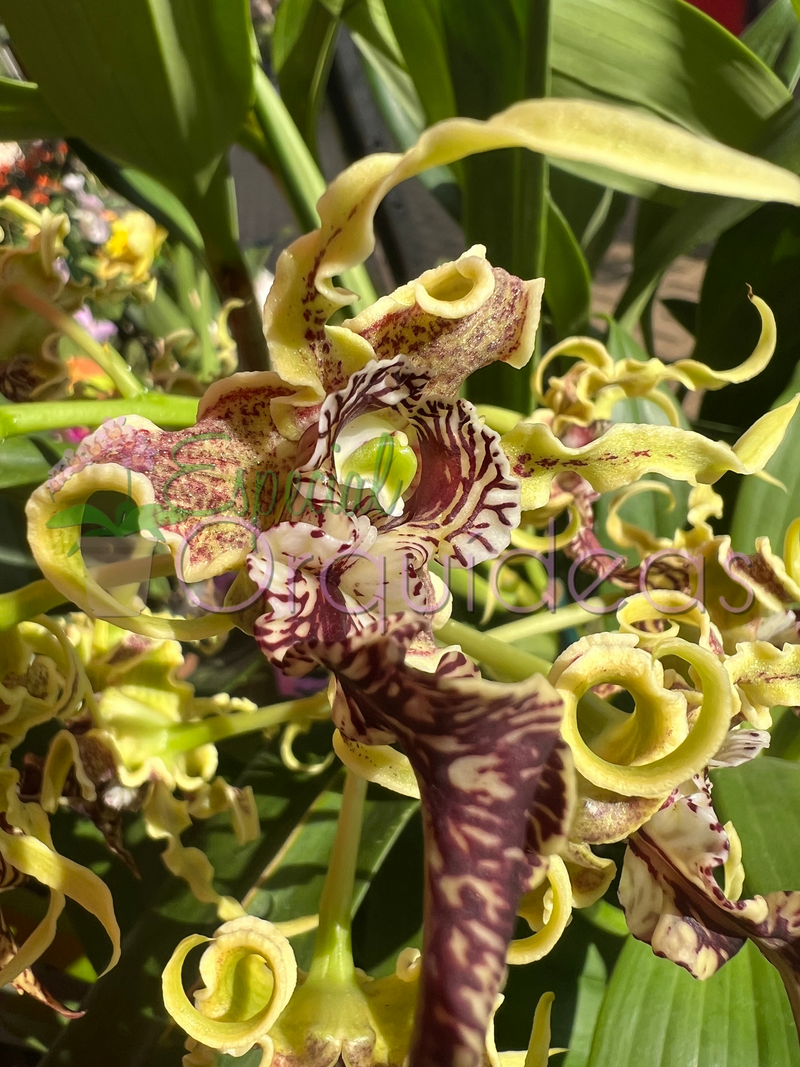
x,y
131,249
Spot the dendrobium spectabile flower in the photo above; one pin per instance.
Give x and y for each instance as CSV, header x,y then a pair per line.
x,y
334,489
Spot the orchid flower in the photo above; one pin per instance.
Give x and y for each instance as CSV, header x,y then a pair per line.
x,y
354,448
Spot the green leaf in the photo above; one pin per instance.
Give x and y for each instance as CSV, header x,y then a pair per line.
x,y
293,888
761,799
370,21
764,510
703,218
162,85
683,311
568,289
23,462
666,56
591,990
775,38
498,53
419,30
655,1013
762,251
303,45
24,115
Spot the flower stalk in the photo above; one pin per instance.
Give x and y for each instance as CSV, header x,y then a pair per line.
x,y
187,736
333,960
171,412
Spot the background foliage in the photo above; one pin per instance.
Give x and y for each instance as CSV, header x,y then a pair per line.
x,y
152,95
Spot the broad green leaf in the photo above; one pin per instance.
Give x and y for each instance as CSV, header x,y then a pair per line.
x,y
485,46
303,44
568,289
401,109
655,1013
26,461
163,86
762,251
764,510
496,58
24,115
761,799
417,25
775,38
591,991
666,56
370,21
282,895
395,93
683,311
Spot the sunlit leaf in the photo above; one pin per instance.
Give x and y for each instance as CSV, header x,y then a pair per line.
x,y
174,87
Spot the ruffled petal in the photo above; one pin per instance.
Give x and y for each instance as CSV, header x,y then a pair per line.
x,y
672,900
451,321
205,491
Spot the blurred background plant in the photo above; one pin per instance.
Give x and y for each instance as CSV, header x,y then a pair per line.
x,y
165,174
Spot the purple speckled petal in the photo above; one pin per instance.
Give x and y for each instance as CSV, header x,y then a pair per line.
x,y
208,489
673,902
463,503
480,751
449,349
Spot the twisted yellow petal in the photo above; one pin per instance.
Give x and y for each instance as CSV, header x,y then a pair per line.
x,y
249,973
648,753
65,878
627,452
550,911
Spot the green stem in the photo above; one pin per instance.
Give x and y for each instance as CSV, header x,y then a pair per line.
x,y
171,412
298,173
103,355
512,662
41,596
504,658
606,917
332,953
546,622
187,736
31,600
286,153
